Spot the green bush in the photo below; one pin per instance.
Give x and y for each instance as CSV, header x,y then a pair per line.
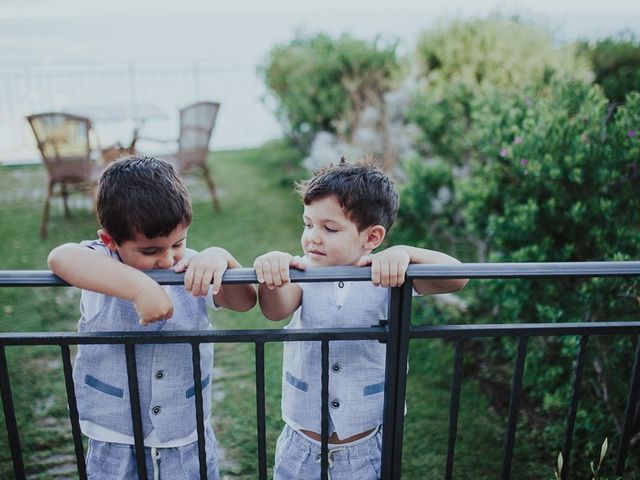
x,y
616,64
463,60
547,180
322,84
496,51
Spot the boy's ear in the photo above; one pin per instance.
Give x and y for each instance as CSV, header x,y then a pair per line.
x,y
375,236
107,239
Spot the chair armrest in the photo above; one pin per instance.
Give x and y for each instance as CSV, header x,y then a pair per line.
x,y
159,140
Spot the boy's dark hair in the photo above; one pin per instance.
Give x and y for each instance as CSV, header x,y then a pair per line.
x,y
142,195
365,193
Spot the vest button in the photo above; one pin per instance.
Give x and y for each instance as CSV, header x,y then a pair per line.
x,y
335,367
340,284
159,375
156,410
335,404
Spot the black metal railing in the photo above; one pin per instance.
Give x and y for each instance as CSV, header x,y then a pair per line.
x,y
395,333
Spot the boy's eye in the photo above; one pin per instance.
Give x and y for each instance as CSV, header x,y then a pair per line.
x,y
149,252
306,225
330,230
177,245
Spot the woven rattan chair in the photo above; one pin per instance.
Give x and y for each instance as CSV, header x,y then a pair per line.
x,y
196,127
64,142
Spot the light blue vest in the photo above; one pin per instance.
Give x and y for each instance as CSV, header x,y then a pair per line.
x,y
165,372
356,368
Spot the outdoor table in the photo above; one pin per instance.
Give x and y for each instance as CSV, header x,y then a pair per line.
x,y
138,113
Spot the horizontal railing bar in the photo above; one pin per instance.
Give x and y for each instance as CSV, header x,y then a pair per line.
x,y
182,336
280,335
529,329
45,278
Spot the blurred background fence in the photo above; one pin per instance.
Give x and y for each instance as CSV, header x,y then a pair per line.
x,y
166,86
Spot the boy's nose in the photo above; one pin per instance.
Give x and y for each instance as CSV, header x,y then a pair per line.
x,y
165,262
312,236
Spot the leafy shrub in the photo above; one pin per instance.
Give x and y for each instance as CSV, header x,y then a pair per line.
x,y
322,84
547,179
464,59
616,64
494,51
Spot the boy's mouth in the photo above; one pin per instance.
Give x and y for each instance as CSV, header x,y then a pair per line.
x,y
316,252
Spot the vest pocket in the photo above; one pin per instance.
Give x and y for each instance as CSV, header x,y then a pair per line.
x,y
373,389
192,391
296,382
103,387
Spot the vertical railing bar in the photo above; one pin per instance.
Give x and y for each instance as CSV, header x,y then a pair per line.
x,y
573,408
197,386
632,404
136,416
261,412
73,411
406,291
454,407
324,427
390,382
10,417
514,403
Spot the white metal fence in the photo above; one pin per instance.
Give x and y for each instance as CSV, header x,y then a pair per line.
x,y
244,120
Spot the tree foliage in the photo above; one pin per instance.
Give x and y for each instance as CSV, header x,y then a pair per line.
x,y
323,84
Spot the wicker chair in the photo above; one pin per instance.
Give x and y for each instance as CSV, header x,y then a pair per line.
x,y
64,142
196,127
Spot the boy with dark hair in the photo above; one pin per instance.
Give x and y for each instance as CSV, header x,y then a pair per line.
x,y
144,211
348,209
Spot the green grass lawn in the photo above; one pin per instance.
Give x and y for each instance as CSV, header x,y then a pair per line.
x,y
260,212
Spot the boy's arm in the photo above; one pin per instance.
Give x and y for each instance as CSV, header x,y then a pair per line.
x,y
85,268
389,267
207,268
278,297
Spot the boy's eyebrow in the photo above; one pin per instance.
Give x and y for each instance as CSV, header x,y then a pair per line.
x,y
153,247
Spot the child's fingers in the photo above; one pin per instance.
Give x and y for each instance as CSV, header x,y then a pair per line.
x,y
283,269
216,281
385,274
276,271
188,278
364,261
401,272
258,267
298,262
375,271
181,266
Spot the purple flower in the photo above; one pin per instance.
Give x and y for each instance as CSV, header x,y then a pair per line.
x,y
517,140
503,152
631,133
524,162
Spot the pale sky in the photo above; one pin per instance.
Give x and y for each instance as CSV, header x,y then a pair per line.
x,y
56,8
243,30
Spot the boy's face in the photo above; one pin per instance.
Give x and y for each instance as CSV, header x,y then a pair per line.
x,y
150,253
330,238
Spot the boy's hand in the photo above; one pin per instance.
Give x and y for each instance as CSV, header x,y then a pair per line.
x,y
388,267
203,269
272,268
152,304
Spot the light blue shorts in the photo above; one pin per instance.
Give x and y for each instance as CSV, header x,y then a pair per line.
x,y
117,461
298,458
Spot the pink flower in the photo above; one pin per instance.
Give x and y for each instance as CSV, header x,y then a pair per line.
x,y
517,140
503,152
524,162
631,133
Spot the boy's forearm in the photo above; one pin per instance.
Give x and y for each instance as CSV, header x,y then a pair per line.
x,y
239,298
86,269
434,286
278,303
